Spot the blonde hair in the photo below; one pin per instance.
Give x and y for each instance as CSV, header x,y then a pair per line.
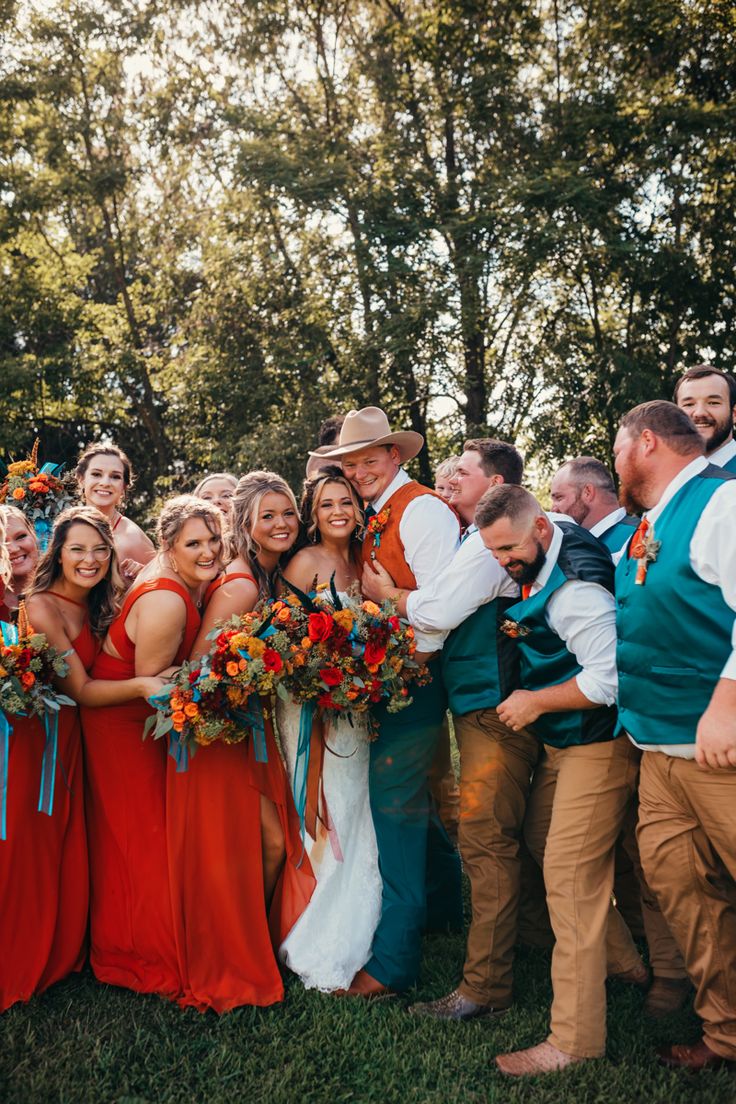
x,y
104,598
7,515
446,468
5,572
178,511
247,499
215,475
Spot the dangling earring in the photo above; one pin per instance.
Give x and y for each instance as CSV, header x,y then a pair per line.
x,y
172,564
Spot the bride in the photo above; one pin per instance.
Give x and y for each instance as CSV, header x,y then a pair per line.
x,y
332,939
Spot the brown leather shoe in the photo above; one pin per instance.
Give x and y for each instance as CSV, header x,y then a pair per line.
x,y
666,996
698,1056
640,977
543,1058
363,985
455,1006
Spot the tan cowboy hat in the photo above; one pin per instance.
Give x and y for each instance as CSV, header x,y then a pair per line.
x,y
317,461
368,427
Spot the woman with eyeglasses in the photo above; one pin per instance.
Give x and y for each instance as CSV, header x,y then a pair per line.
x,y
43,859
133,941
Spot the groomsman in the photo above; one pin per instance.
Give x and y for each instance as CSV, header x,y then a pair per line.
x,y
480,667
676,623
411,531
584,489
708,397
566,632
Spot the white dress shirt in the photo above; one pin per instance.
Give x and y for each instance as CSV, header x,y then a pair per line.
x,y
583,615
430,534
472,578
712,558
723,454
608,522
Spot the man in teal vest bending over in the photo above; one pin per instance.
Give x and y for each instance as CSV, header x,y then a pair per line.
x,y
676,656
565,626
584,489
468,599
708,397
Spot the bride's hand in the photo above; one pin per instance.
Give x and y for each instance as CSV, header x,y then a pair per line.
x,y
376,583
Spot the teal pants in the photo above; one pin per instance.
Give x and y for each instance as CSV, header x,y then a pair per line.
x,y
419,866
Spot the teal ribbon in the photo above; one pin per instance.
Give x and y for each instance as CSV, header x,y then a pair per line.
x,y
42,529
252,718
10,633
179,752
301,765
5,733
48,763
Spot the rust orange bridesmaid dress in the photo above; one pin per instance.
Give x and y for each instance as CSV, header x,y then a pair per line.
x,y
44,880
223,933
131,928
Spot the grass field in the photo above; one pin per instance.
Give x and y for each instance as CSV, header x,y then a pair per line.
x,y
85,1042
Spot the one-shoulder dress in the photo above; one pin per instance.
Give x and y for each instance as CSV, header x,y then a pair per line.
x,y
131,925
225,948
44,880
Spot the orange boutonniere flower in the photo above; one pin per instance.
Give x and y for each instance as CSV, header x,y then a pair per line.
x,y
644,549
376,526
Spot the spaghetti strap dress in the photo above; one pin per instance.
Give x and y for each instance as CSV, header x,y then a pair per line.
x,y
44,878
131,929
224,944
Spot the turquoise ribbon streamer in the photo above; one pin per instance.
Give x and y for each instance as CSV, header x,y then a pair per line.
x,y
10,633
42,528
179,752
252,718
48,763
5,732
301,766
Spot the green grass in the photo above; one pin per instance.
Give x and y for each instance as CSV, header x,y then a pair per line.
x,y
85,1042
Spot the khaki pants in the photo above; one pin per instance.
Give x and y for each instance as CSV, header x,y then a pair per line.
x,y
495,772
687,838
443,784
576,810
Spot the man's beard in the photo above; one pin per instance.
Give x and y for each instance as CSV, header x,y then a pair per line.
x,y
721,432
578,511
528,571
628,499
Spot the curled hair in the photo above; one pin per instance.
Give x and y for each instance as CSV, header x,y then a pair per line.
x,y
6,573
247,499
104,599
586,469
329,431
214,475
508,500
667,421
446,468
9,514
98,448
312,497
178,511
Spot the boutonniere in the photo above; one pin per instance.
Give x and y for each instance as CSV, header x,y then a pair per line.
x,y
644,549
514,629
375,527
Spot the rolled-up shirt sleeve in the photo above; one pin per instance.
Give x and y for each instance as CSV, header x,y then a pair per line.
x,y
584,616
430,534
713,554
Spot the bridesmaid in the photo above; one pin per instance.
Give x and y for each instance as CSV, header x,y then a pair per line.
x,y
43,860
218,488
131,926
234,844
22,549
105,476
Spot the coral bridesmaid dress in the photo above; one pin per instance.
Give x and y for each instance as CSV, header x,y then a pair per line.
x,y
44,881
131,927
225,949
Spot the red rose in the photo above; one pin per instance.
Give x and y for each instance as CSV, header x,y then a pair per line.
x,y
272,661
374,653
393,623
320,626
331,676
325,700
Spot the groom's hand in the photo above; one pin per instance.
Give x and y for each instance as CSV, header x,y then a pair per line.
x,y
376,583
519,710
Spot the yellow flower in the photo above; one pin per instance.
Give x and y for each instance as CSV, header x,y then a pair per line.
x,y
344,618
20,467
371,608
238,641
255,646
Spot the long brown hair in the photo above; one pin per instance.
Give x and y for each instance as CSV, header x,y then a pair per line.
x,y
313,489
105,597
247,500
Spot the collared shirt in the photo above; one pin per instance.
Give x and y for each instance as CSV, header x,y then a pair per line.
x,y
608,522
723,454
583,615
712,558
430,535
473,578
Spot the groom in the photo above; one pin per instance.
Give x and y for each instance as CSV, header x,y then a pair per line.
x,y
414,535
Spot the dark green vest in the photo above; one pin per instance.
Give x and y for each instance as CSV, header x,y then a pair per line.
x,y
480,665
616,537
545,660
674,630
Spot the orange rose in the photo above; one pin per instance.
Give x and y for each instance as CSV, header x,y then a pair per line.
x,y
232,669
371,608
284,614
191,709
242,665
19,494
27,679
176,702
306,643
178,718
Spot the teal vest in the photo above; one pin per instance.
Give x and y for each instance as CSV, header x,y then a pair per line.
x,y
545,660
616,537
674,631
730,465
480,665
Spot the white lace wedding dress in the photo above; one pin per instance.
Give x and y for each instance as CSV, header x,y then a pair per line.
x,y
332,939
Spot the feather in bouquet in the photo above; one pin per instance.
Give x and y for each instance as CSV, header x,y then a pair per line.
x,y
219,696
41,493
28,667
